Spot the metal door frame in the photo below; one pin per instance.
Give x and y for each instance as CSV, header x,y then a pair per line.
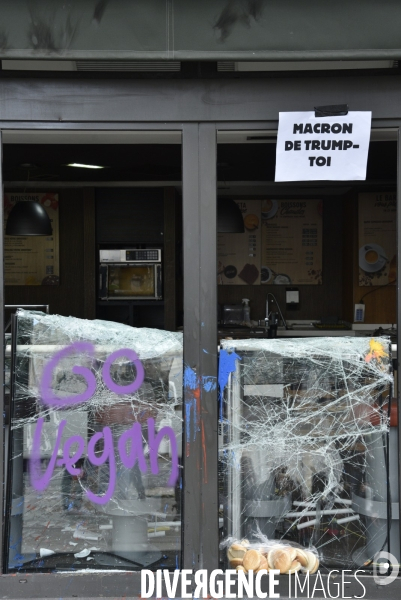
x,y
200,497
199,150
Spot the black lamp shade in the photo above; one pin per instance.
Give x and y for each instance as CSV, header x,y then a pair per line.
x,y
28,218
229,217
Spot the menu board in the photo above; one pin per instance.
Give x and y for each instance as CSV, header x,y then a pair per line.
x,y
377,248
239,254
291,242
32,260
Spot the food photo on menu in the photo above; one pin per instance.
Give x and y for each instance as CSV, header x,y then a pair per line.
x,y
281,244
377,254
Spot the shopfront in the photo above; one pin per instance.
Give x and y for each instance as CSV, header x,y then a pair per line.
x,y
151,454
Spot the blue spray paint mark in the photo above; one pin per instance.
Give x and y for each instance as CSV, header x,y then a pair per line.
x,y
190,378
190,381
226,366
208,383
206,352
188,418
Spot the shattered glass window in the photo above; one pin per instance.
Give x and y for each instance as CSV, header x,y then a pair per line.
x,y
306,450
95,456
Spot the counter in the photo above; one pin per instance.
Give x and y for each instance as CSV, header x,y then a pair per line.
x,y
261,333
302,330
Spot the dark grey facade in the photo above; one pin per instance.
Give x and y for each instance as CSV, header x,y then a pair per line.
x,y
198,107
213,30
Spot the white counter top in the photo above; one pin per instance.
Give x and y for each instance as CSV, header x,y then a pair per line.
x,y
303,329
313,332
259,333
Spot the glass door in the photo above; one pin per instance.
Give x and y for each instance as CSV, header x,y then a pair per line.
x,y
95,462
308,434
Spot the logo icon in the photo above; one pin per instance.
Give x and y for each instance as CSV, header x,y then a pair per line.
x,y
385,568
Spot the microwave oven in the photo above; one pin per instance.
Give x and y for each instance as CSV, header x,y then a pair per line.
x,y
131,274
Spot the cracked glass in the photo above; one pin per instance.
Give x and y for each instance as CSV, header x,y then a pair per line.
x,y
95,446
307,454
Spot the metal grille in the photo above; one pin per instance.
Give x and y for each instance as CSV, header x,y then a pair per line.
x,y
225,65
128,65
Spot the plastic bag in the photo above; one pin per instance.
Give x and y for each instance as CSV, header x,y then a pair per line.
x,y
265,554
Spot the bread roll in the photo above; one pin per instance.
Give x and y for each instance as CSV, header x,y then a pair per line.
x,y
315,568
293,553
241,568
272,554
282,560
236,562
252,560
270,558
295,566
311,561
263,565
236,551
302,557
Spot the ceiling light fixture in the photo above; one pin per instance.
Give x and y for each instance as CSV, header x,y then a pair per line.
x,y
229,216
28,218
82,166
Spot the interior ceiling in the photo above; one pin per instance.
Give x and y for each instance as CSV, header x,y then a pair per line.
x,y
32,136
239,159
235,162
122,162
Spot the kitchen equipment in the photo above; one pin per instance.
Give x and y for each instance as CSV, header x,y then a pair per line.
x,y
130,274
233,314
246,311
359,313
273,324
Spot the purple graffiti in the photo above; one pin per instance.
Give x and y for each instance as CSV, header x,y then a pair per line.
x,y
107,454
133,435
46,382
129,445
140,373
39,481
154,443
69,461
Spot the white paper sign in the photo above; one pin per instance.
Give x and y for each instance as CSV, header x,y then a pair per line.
x,y
330,148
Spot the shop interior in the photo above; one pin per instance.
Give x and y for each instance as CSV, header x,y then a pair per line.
x,y
134,203
333,299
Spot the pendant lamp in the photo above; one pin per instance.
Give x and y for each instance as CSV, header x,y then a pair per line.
x,y
229,217
28,218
